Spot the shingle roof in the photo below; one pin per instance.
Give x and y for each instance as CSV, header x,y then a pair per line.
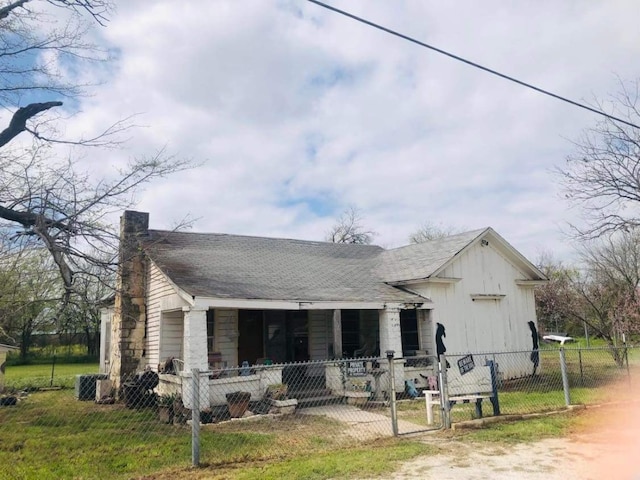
x,y
422,260
244,267
234,266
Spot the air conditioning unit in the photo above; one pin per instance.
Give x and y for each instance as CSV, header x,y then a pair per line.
x,y
86,385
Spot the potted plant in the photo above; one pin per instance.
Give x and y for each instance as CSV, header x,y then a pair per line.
x,y
165,407
276,395
238,403
276,391
180,413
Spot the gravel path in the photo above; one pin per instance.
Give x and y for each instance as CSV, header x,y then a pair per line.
x,y
542,460
608,449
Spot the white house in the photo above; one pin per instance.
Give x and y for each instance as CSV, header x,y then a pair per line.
x,y
229,299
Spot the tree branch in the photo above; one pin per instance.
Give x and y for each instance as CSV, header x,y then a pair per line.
x,y
6,10
30,219
18,122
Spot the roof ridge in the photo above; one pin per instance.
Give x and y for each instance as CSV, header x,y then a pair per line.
x,y
259,237
476,232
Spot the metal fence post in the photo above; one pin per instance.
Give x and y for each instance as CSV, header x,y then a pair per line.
x,y
392,396
626,358
195,418
444,392
565,377
494,386
581,370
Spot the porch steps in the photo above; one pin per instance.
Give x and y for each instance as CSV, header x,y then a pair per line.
x,y
314,397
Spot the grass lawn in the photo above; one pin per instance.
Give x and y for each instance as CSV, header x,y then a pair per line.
x,y
52,435
32,376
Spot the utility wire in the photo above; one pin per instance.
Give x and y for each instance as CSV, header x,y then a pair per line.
x,y
473,64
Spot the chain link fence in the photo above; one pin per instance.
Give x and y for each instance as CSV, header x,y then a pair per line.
x,y
267,412
521,383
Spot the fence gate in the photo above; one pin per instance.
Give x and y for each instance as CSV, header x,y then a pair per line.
x,y
415,400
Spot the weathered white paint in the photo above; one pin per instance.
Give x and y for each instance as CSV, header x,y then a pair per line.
x,y
390,338
488,309
256,384
171,335
106,315
320,333
195,339
484,297
258,304
162,296
226,335
426,333
195,352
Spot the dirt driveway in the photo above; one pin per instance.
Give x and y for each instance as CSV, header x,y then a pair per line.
x,y
608,448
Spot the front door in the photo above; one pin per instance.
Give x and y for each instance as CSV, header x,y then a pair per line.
x,y
286,336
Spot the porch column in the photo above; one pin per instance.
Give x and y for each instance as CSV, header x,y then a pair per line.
x,y
195,354
337,334
390,336
195,339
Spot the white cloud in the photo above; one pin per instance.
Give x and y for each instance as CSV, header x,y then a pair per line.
x,y
297,112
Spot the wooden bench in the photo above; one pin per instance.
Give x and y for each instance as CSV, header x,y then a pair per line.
x,y
472,386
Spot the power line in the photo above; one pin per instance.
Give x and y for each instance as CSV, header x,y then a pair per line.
x,y
473,64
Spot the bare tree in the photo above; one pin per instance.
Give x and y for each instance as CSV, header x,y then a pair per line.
x,y
431,231
349,229
603,176
92,285
36,43
29,294
50,201
602,293
556,299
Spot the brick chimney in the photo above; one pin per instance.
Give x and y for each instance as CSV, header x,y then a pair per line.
x,y
129,318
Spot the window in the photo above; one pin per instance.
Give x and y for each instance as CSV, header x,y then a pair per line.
x,y
211,331
409,332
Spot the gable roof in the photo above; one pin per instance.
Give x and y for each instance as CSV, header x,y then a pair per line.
x,y
236,266
245,267
421,260
426,260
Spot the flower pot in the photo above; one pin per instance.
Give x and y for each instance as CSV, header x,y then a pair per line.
x,y
165,413
276,392
238,403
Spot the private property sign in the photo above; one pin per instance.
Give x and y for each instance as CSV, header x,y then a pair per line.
x,y
356,369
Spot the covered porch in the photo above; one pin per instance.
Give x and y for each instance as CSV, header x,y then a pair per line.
x,y
249,349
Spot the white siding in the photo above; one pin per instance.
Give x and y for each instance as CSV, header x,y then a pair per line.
x,y
320,333
161,295
483,325
226,335
106,316
172,332
426,332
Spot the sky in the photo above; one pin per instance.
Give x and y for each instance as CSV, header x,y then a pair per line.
x,y
294,113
